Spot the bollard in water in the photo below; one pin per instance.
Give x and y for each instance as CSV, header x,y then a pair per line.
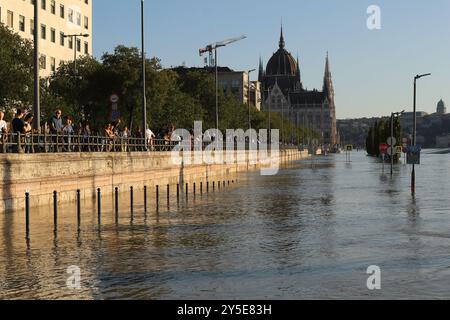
x,y
218,185
187,190
168,194
132,202
145,199
116,203
214,186
207,187
79,209
178,192
55,210
228,182
195,188
224,184
99,206
201,187
157,196
27,215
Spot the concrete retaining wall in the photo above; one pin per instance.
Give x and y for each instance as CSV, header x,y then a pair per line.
x,y
41,174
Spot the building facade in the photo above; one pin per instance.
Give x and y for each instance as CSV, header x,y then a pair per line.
x,y
283,92
238,85
56,19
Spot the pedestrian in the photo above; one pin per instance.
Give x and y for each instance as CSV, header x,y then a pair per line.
x,y
28,120
18,126
3,126
150,138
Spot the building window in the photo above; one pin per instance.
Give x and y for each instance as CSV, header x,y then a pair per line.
x,y
86,48
52,64
78,45
31,26
53,35
61,38
78,19
10,19
22,23
43,32
53,7
70,43
86,23
43,62
62,11
70,14
44,4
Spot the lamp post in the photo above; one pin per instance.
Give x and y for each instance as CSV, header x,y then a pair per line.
x,y
36,97
144,98
413,175
249,98
393,115
75,47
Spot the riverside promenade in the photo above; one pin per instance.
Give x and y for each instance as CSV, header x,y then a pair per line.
x,y
41,174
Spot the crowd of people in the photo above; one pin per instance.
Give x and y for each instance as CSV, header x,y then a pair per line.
x,y
62,130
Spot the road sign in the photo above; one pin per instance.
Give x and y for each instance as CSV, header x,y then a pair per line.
x,y
392,141
114,98
384,148
349,148
413,154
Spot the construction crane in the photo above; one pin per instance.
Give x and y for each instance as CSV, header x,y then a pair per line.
x,y
212,50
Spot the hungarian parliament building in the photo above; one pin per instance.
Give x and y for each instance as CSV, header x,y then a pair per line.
x,y
283,92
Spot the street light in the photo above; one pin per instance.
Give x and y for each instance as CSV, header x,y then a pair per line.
x,y
75,47
36,98
393,115
144,98
249,95
413,175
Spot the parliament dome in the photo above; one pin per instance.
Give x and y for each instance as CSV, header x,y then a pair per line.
x,y
282,62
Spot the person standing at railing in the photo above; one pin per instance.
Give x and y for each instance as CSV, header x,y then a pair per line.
x,y
18,126
150,139
125,134
56,126
28,120
67,131
3,124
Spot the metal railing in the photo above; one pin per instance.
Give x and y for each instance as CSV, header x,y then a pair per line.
x,y
61,143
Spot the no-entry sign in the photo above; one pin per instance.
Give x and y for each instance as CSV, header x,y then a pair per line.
x,y
384,147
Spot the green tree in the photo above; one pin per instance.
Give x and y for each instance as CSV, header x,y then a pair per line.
x,y
16,70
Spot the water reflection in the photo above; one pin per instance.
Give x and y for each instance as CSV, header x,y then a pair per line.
x,y
309,232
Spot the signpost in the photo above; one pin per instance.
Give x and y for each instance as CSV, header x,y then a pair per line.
x,y
413,154
384,147
348,151
115,114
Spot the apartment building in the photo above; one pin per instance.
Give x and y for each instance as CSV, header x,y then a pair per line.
x,y
56,19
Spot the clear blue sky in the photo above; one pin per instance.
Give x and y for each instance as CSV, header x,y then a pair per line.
x,y
372,70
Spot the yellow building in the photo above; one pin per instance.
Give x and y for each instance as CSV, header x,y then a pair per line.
x,y
56,18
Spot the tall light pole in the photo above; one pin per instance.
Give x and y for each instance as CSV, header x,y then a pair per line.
x,y
75,47
413,175
393,115
144,98
36,97
249,96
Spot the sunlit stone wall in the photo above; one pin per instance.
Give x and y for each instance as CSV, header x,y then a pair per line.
x,y
41,174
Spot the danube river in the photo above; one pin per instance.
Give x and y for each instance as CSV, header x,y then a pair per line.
x,y
310,232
